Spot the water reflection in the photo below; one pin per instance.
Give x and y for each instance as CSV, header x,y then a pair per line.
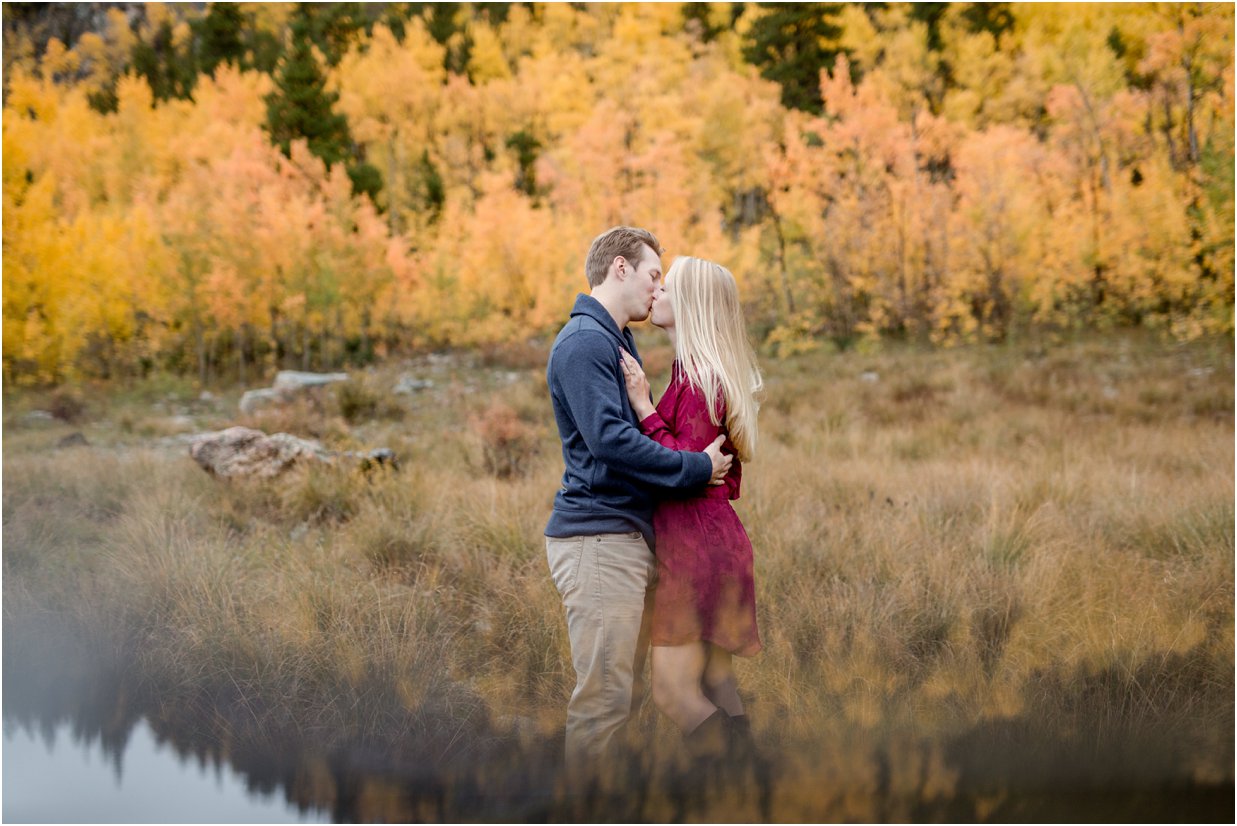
x,y
207,756
141,780
74,711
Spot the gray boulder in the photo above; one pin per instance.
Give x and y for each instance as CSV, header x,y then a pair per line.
x,y
289,382
257,399
243,451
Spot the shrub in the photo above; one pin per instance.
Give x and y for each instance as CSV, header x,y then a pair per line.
x,y
67,404
357,402
508,443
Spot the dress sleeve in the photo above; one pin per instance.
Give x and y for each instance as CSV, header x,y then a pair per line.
x,y
655,428
693,430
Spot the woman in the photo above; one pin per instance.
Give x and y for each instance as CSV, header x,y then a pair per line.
x,y
704,607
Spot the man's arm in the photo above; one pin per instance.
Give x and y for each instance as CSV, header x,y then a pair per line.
x,y
652,425
589,382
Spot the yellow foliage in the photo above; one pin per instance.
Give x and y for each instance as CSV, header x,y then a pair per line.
x,y
1039,187
486,61
391,92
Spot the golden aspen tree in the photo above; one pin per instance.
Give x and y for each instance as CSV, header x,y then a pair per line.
x,y
511,280
1189,61
31,346
896,58
486,61
391,92
995,251
994,80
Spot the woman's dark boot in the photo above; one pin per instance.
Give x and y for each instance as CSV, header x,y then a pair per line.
x,y
708,746
741,734
746,762
712,738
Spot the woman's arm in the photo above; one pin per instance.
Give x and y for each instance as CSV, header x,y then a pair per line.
x,y
694,429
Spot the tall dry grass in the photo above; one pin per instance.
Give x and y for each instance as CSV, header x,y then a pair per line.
x,y
991,582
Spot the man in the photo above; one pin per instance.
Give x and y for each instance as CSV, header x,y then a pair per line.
x,y
599,539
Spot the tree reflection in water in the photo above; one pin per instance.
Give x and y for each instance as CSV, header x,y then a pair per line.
x,y
453,761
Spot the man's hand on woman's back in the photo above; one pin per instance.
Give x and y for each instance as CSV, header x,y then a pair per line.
x,y
721,462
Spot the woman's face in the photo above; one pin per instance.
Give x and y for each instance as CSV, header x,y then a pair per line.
x,y
662,314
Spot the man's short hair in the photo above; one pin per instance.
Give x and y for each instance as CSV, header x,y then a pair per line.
x,y
624,241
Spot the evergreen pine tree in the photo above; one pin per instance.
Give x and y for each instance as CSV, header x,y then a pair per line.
x,y
448,28
791,43
526,149
697,16
301,107
170,71
221,37
333,26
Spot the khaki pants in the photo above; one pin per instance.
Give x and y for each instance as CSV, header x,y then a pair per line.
x,y
605,581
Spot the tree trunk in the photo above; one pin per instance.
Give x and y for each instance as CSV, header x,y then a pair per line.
x,y
787,296
240,353
200,347
1191,132
1168,133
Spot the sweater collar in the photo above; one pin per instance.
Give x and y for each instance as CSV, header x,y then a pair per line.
x,y
588,306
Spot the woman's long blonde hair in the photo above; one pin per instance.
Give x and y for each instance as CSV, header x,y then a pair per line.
x,y
712,346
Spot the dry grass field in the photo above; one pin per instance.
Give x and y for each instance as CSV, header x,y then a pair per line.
x,y
993,584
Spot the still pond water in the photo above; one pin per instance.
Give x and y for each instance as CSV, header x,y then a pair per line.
x,y
53,776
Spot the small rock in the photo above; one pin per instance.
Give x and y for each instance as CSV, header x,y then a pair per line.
x,y
206,396
441,359
299,531
38,417
379,457
870,376
407,385
181,422
75,439
1110,392
256,399
178,441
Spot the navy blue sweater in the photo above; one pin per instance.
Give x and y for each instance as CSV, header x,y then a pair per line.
x,y
613,471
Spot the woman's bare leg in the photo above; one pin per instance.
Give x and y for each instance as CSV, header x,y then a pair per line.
x,y
720,685
678,680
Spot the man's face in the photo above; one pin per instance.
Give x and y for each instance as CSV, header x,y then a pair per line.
x,y
643,281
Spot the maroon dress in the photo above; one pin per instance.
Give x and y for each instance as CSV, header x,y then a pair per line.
x,y
705,588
